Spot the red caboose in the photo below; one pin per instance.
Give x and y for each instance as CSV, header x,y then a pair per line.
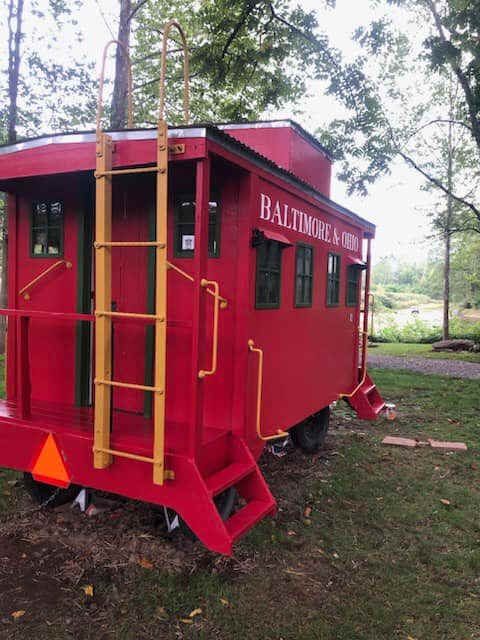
x,y
176,299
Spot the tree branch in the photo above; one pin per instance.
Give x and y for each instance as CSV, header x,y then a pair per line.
x,y
306,36
441,121
462,78
248,10
437,183
136,9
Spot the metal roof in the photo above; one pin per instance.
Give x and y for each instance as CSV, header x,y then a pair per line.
x,y
211,132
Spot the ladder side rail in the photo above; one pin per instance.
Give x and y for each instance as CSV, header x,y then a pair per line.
x,y
160,305
103,302
200,267
102,84
363,365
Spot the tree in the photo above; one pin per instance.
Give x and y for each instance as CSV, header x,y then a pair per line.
x,y
128,11
246,57
15,17
40,92
381,125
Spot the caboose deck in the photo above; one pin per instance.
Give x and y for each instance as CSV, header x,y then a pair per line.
x,y
130,432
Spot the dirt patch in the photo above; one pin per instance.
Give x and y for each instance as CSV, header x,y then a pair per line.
x,y
30,576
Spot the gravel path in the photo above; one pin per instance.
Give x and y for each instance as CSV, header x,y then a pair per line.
x,y
455,368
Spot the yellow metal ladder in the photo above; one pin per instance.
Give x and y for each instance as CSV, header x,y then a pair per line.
x,y
103,453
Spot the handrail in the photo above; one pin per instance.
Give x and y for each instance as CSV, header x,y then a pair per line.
x,y
371,299
216,305
223,301
364,374
280,433
186,73
102,82
23,292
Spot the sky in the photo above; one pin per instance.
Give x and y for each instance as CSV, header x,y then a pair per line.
x,y
396,204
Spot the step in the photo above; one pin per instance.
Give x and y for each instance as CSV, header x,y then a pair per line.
x,y
245,519
378,406
228,476
368,387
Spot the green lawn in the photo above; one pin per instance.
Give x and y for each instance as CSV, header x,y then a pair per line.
x,y
362,548
421,351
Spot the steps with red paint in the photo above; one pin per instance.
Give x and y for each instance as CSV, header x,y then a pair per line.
x,y
227,477
367,401
243,474
247,517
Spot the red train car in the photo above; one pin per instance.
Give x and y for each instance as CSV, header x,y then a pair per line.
x,y
153,353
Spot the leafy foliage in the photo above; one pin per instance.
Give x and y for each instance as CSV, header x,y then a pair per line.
x,y
246,57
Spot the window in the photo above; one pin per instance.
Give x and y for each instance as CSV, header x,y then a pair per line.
x,y
47,229
184,241
269,262
304,276
333,279
353,273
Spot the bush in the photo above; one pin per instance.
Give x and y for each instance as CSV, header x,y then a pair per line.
x,y
419,331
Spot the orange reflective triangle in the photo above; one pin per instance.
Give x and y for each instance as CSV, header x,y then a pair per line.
x,y
49,466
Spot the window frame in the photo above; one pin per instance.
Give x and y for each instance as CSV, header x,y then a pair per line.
x,y
258,269
190,253
299,247
352,269
338,279
61,226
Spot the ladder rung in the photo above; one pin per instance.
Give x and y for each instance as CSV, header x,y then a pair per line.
x,y
99,245
121,314
113,172
128,385
168,474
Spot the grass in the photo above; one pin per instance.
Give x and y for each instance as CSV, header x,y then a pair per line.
x,y
415,350
362,547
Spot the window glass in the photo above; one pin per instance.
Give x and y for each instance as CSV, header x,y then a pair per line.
x,y
184,241
269,262
304,276
333,279
47,229
353,274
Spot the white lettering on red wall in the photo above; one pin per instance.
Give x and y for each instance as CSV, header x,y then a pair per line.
x,y
283,215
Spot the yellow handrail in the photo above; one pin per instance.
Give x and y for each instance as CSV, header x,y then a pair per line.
x,y
280,433
102,82
42,275
163,73
216,305
223,301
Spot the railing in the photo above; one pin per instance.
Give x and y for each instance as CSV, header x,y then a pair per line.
x,y
216,304
280,433
364,332
219,303
223,301
22,364
24,292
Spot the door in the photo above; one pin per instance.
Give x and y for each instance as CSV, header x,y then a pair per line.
x,y
47,246
133,220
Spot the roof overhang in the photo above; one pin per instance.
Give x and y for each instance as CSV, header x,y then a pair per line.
x,y
200,131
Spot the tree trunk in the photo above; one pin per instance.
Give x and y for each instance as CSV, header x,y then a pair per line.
x,y
119,99
15,15
446,283
448,224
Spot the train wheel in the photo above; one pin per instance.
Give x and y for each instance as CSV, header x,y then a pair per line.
x,y
48,494
225,503
310,434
